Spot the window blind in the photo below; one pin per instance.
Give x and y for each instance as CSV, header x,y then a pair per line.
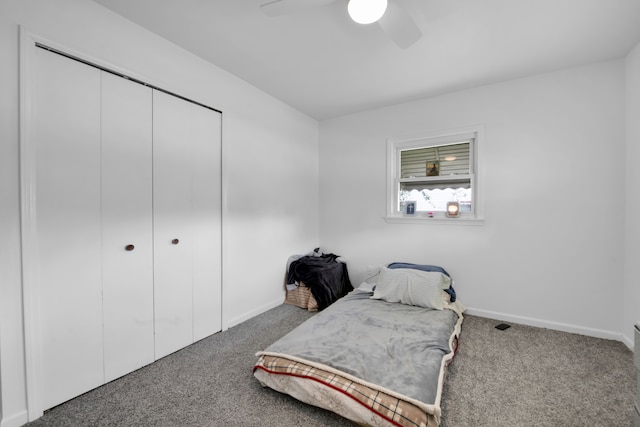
x,y
453,159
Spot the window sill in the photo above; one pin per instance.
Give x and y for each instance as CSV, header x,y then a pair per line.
x,y
419,219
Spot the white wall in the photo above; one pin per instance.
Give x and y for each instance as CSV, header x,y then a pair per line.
x,y
632,181
528,262
551,140
270,154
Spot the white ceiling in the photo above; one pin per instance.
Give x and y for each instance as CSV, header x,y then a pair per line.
x,y
325,65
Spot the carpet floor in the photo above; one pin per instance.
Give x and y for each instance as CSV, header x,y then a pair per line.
x,y
522,376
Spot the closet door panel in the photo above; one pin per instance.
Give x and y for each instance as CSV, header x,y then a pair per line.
x,y
66,137
173,240
127,243
206,190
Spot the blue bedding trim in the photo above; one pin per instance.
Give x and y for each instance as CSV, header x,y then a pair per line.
x,y
425,267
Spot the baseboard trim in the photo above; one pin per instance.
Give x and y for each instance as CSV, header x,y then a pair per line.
x,y
253,313
628,342
15,420
558,326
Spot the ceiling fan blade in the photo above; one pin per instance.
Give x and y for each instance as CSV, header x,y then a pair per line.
x,y
399,26
285,7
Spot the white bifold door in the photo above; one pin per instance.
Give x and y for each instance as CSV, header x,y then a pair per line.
x,y
67,227
122,226
127,227
185,186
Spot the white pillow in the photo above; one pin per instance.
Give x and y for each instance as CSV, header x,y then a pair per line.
x,y
367,287
412,287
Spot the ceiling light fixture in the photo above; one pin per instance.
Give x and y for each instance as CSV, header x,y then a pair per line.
x,y
366,11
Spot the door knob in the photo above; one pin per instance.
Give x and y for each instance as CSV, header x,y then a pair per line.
x,y
129,248
175,241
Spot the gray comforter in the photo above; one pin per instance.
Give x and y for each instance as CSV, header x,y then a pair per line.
x,y
396,346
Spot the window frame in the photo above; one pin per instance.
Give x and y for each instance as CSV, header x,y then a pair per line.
x,y
474,134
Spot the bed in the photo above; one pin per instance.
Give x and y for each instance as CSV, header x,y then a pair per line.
x,y
377,356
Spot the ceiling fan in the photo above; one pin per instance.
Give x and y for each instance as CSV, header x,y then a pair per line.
x,y
392,17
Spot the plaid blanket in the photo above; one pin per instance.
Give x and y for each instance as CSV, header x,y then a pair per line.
x,y
395,411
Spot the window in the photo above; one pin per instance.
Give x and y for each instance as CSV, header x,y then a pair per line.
x,y
426,174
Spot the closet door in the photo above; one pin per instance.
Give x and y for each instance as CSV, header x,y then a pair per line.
x,y
122,237
173,238
206,127
67,212
127,234
186,158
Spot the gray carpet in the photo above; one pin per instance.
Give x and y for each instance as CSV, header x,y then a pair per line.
x,y
520,377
